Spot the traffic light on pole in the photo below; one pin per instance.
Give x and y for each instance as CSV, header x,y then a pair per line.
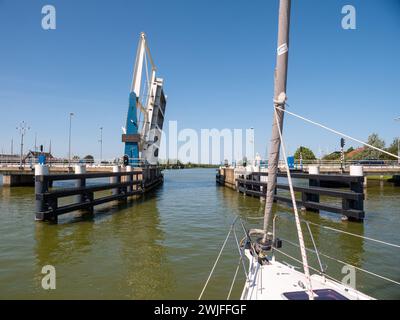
x,y
342,142
126,160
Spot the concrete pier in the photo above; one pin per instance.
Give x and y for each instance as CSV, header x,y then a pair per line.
x,y
19,179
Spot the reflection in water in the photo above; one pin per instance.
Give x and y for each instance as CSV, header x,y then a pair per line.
x,y
116,255
164,245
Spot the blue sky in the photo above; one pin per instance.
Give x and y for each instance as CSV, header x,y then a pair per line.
x,y
217,59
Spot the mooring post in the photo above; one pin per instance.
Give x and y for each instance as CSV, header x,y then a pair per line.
x,y
80,183
41,186
145,177
116,180
128,178
312,182
357,187
263,179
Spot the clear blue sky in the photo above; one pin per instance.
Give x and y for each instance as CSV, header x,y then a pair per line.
x,y
217,58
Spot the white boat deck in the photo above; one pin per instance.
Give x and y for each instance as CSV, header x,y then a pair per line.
x,y
277,281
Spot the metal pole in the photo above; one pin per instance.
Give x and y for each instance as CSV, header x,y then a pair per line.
x,y
398,144
69,140
22,150
341,159
22,130
252,145
279,101
101,144
50,153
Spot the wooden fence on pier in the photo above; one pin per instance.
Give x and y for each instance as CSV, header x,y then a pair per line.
x,y
122,186
352,196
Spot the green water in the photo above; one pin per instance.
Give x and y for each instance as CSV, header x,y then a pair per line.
x,y
163,246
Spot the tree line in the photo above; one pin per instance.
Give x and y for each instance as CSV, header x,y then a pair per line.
x,y
360,154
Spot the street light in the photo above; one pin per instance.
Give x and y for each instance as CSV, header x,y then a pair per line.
x,y
398,143
252,144
69,143
23,127
101,144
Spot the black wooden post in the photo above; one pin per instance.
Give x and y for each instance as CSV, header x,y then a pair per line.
x,y
116,191
129,177
313,181
41,187
356,204
356,186
80,183
89,197
52,216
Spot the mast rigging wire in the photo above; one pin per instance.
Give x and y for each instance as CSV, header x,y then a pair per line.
x,y
296,213
218,257
337,132
345,232
345,263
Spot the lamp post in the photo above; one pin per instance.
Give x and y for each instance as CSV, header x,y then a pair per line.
x,y
252,145
69,141
23,127
398,143
101,144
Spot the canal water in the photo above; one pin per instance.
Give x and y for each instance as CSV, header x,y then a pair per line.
x,y
163,245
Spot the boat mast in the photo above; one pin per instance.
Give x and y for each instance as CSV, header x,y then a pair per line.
x,y
279,101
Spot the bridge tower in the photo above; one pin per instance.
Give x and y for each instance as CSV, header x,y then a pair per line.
x,y
147,102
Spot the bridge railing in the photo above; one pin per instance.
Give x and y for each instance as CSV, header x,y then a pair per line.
x,y
64,163
328,163
347,163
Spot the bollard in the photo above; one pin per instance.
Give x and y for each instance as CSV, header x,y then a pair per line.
x,y
41,186
356,187
312,170
115,180
356,171
80,183
128,178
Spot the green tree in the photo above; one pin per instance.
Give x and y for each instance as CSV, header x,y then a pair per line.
x,y
370,153
393,148
306,153
332,156
376,141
